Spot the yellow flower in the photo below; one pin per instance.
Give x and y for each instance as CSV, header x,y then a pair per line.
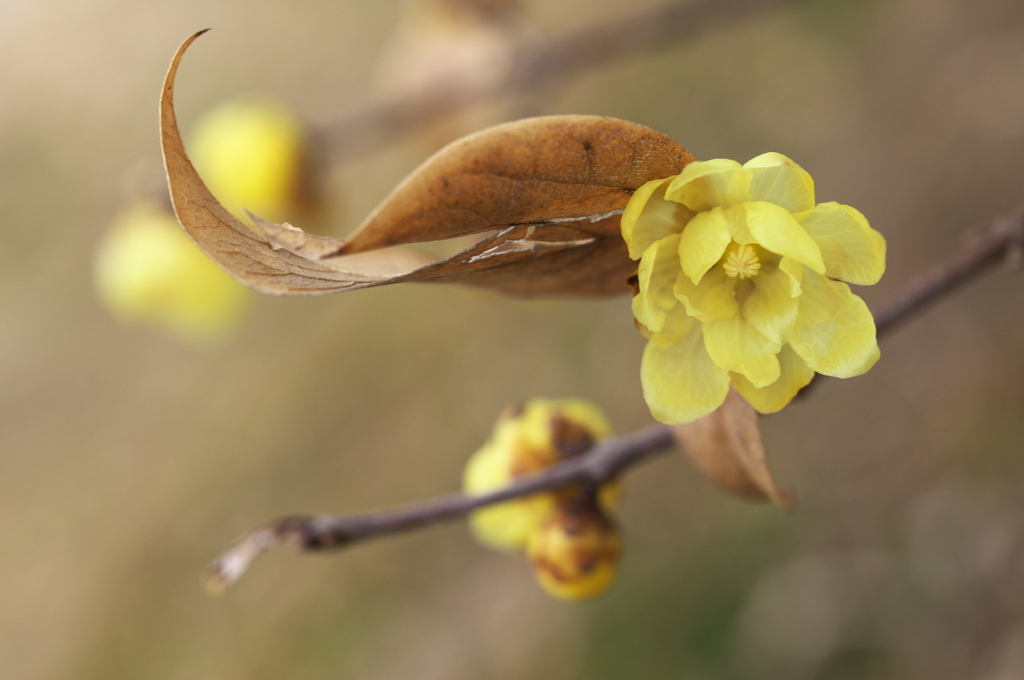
x,y
252,154
525,441
147,270
742,284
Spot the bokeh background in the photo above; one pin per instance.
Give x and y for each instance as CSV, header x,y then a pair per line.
x,y
129,459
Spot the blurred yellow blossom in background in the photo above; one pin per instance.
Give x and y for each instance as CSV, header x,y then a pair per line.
x,y
147,270
743,282
252,154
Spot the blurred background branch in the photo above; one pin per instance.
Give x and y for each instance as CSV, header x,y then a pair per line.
x,y
1000,241
536,63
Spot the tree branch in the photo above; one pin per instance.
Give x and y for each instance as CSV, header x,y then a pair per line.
x,y
598,465
537,63
1002,240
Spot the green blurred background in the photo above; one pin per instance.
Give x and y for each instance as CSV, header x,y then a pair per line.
x,y
128,459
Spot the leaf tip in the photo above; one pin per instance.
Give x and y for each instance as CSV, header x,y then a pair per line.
x,y
786,499
726,446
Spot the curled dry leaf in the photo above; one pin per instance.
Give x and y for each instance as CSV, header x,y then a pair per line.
x,y
545,194
726,446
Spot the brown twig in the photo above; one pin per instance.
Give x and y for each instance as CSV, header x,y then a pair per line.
x,y
537,63
1004,238
598,465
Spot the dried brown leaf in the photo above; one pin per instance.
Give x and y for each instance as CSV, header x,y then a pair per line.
x,y
546,194
726,446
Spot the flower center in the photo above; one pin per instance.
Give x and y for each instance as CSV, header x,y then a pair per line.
x,y
742,262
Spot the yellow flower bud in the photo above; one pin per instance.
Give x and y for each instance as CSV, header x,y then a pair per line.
x,y
505,526
147,270
526,440
575,552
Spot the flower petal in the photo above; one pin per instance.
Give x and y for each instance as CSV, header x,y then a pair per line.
x,y
795,375
506,526
509,525
834,331
703,185
659,269
737,346
713,298
795,271
851,249
703,242
680,381
771,307
775,229
648,217
779,180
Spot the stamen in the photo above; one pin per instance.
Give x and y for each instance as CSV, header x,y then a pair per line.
x,y
742,263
